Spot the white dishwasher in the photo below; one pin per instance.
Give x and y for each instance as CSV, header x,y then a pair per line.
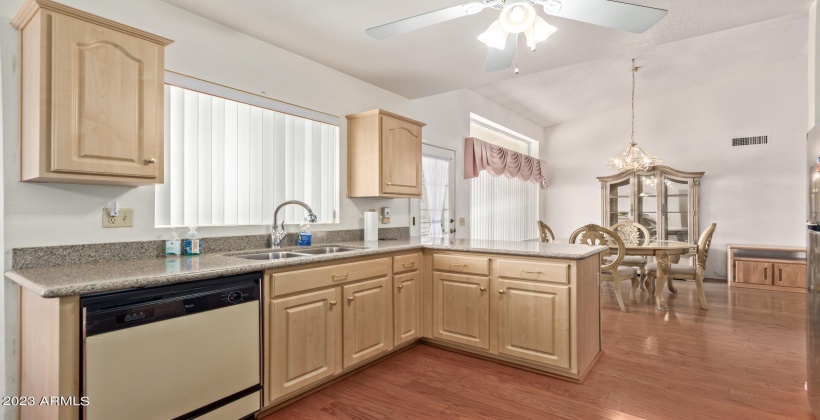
x,y
183,351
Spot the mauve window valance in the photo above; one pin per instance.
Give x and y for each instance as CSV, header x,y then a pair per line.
x,y
483,156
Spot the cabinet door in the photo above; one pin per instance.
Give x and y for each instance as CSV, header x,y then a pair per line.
x,y
754,272
304,341
461,307
401,157
406,307
533,322
790,275
676,211
106,99
618,201
368,320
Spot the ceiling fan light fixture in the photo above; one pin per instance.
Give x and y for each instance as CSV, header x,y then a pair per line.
x,y
553,7
517,16
539,31
495,36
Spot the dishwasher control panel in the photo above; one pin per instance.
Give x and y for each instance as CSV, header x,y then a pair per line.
x,y
114,311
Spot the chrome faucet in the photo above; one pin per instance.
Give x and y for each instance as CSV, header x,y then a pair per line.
x,y
278,232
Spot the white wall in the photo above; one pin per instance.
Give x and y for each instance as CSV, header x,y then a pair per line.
x,y
8,372
50,214
755,194
448,118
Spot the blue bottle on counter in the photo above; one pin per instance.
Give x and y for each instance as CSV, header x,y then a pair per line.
x,y
192,244
305,237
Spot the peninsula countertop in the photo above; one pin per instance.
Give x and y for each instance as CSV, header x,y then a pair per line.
x,y
83,279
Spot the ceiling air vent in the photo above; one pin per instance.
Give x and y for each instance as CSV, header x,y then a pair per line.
x,y
750,141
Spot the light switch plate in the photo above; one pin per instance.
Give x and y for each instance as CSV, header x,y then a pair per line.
x,y
125,218
461,221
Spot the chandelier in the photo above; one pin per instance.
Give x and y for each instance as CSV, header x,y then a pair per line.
x,y
633,157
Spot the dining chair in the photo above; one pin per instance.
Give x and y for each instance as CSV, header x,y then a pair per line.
x,y
687,272
633,233
545,233
612,270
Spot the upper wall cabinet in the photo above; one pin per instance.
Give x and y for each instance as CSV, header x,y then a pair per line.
x,y
92,98
383,155
665,200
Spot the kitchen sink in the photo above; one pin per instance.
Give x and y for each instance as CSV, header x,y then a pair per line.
x,y
325,250
271,256
307,252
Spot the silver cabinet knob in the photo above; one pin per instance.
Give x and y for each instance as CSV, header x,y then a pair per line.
x,y
150,160
500,291
482,288
351,299
401,286
332,303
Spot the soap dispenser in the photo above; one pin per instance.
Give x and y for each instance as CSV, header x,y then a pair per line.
x,y
192,244
174,245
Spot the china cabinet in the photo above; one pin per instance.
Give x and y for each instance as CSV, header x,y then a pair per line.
x,y
665,200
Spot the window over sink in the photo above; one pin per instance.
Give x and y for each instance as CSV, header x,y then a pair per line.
x,y
231,156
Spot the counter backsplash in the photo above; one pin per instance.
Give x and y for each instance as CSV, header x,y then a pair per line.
x,y
49,256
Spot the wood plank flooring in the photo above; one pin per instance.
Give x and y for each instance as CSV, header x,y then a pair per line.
x,y
744,358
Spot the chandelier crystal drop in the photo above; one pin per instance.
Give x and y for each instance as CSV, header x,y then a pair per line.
x,y
633,157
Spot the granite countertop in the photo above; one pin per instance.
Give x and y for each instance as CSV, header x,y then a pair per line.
x,y
82,279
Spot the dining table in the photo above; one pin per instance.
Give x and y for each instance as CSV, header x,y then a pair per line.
x,y
665,253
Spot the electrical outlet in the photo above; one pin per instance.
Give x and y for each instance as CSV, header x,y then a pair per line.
x,y
385,215
124,219
461,221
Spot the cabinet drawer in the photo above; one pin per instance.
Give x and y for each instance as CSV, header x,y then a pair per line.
x,y
311,278
403,263
534,270
461,264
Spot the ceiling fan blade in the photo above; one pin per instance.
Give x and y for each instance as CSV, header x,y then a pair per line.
x,y
612,14
418,22
501,59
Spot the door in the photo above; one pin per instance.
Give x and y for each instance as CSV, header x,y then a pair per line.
x,y
406,307
676,213
304,343
618,194
789,275
461,307
438,180
106,86
754,272
401,154
368,320
533,322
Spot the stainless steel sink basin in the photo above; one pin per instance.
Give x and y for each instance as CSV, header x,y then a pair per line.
x,y
296,253
271,256
325,250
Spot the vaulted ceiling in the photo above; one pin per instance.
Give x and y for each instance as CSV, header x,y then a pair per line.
x,y
581,69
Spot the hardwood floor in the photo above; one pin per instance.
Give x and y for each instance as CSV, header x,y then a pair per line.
x,y
744,358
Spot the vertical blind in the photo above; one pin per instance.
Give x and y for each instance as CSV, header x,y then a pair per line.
x,y
231,163
503,208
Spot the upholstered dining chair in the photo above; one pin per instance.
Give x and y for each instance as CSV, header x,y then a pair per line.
x,y
687,272
612,270
545,233
633,233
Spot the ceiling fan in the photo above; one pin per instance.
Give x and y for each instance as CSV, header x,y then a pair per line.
x,y
519,16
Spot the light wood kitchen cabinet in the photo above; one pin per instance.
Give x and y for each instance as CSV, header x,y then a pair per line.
x,y
305,332
92,98
406,298
384,155
461,309
788,274
368,320
533,322
665,200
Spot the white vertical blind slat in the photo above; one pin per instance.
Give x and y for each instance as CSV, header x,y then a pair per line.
x,y
218,161
229,163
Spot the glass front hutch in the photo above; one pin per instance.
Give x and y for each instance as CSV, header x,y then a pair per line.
x,y
663,199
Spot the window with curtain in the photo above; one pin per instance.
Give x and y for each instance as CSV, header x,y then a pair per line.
x,y
229,162
502,207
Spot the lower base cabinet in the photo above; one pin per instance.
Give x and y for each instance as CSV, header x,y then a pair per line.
x,y
305,331
406,307
461,309
533,322
770,272
368,320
